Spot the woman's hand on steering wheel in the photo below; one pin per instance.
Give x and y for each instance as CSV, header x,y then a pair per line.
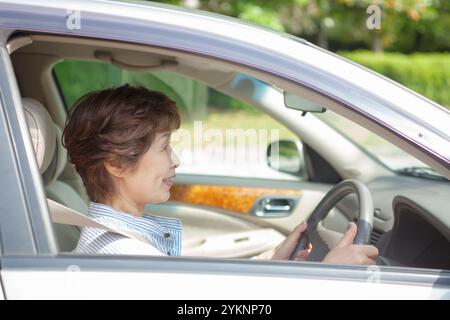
x,y
345,252
285,249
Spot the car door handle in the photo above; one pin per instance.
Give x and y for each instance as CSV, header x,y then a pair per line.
x,y
268,207
271,207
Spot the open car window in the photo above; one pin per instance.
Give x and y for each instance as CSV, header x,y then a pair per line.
x,y
219,134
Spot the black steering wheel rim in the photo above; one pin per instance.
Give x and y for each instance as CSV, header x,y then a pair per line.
x,y
341,190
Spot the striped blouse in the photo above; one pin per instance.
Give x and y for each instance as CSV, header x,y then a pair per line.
x,y
163,234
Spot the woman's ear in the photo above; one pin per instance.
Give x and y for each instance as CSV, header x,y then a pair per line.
x,y
115,170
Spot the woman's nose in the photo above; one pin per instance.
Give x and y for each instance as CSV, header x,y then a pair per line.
x,y
175,159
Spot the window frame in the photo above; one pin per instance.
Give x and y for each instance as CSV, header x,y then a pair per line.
x,y
28,231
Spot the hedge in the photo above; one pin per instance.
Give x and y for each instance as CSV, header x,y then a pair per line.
x,y
427,74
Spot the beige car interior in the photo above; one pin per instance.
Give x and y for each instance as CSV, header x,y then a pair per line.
x,y
68,209
205,232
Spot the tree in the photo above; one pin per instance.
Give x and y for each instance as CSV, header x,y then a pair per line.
x,y
406,25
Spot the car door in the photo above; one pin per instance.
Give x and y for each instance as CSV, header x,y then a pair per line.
x,y
33,267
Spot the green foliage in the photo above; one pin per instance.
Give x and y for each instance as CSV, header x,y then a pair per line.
x,y
220,101
189,95
257,15
77,78
428,74
406,25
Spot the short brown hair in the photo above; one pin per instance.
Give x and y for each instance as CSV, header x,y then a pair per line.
x,y
116,125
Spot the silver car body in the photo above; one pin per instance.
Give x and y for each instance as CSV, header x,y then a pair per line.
x,y
30,264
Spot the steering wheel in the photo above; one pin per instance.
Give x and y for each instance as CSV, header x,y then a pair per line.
x,y
365,221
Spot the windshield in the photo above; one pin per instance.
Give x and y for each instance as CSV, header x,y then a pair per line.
x,y
378,148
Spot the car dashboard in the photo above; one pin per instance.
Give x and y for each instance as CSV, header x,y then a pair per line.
x,y
411,225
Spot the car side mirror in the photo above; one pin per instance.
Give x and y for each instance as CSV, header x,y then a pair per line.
x,y
286,156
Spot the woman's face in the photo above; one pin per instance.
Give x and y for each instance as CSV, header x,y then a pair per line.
x,y
152,177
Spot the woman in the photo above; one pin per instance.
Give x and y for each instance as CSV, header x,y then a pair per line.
x,y
119,141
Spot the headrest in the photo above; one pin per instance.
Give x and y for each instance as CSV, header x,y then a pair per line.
x,y
59,160
42,131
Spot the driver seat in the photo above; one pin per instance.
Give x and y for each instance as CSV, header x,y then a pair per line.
x,y
51,157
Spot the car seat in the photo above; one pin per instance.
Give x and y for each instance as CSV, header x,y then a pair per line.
x,y
51,157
